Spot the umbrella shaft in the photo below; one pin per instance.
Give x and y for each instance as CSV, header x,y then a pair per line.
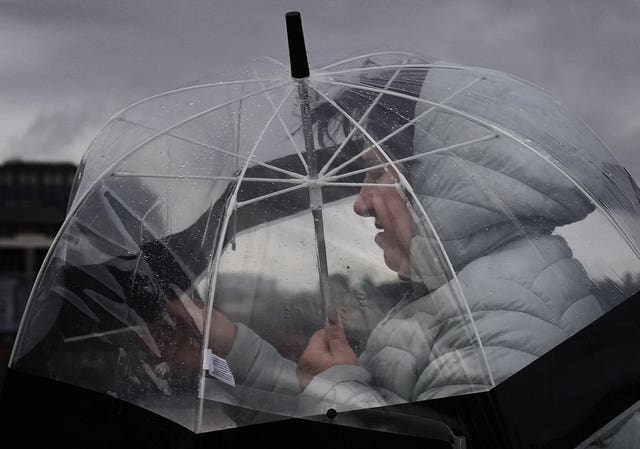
x,y
307,129
318,224
315,195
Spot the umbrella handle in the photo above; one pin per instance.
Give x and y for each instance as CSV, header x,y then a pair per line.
x,y
297,49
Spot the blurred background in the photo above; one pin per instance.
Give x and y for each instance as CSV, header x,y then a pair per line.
x,y
66,66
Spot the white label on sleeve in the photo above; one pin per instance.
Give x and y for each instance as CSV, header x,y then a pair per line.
x,y
206,360
218,368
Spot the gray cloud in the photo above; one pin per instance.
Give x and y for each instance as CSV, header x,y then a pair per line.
x,y
68,10
51,135
109,54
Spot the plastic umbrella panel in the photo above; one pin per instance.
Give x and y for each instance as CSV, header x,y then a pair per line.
x,y
464,215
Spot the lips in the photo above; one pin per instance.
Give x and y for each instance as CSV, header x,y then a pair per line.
x,y
384,240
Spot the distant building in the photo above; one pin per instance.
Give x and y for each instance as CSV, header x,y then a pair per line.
x,y
33,203
33,197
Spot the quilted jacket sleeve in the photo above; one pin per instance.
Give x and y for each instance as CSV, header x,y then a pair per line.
x,y
256,364
623,436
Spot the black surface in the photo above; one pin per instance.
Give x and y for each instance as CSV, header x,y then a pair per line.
x,y
555,402
297,50
36,412
568,394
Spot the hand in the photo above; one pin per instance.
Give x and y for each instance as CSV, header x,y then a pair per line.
x,y
223,331
327,347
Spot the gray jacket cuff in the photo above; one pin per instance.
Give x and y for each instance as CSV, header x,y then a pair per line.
x,y
257,364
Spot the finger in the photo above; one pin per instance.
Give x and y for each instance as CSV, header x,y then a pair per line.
x,y
332,319
177,311
336,338
317,347
318,340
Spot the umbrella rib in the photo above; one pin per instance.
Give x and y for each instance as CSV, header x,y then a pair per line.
x,y
271,195
209,214
205,177
404,183
187,88
405,126
275,61
220,150
362,119
237,128
108,240
351,184
155,204
415,156
286,130
103,334
213,268
308,183
407,66
355,58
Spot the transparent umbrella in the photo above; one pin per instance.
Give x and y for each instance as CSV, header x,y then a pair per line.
x,y
381,231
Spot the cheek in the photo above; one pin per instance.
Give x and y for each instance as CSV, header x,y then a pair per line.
x,y
394,251
402,222
397,260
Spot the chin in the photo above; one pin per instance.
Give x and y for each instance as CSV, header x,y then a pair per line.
x,y
396,263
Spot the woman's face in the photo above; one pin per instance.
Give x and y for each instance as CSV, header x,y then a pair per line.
x,y
389,209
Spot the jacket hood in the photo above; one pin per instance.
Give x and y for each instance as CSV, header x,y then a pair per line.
x,y
480,196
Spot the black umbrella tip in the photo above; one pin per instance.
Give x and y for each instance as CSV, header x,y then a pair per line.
x,y
297,49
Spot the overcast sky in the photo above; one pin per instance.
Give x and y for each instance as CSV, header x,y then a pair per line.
x,y
67,65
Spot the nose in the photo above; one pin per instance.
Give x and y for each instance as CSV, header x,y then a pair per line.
x,y
363,205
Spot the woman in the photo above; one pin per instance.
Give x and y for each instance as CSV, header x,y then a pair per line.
x,y
491,209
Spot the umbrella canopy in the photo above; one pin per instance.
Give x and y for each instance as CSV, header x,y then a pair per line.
x,y
446,216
